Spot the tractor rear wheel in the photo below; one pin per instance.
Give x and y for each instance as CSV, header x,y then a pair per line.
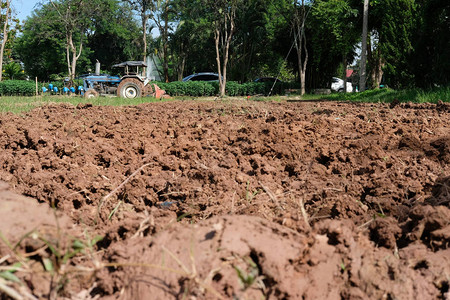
x,y
91,94
130,88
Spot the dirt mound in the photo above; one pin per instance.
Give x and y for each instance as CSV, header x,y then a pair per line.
x,y
153,180
32,234
243,257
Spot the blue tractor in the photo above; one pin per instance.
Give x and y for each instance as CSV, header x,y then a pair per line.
x,y
133,84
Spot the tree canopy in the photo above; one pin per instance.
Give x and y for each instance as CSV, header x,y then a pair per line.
x,y
407,46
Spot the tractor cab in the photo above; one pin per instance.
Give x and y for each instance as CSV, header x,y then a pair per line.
x,y
133,68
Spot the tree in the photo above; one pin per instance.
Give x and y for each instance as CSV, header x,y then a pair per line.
x,y
299,22
115,24
13,70
391,23
75,16
191,41
362,79
7,9
253,53
161,15
224,14
144,8
339,18
431,63
42,46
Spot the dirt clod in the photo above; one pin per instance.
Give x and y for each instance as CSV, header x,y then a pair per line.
x,y
228,199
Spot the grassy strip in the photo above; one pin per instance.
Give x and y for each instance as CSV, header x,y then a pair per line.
x,y
24,104
388,95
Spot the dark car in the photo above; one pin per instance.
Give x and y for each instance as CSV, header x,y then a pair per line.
x,y
206,76
267,79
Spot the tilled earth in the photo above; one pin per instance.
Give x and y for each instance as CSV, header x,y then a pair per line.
x,y
222,200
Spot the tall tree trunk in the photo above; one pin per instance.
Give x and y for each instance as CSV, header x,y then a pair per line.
x,y
300,44
376,64
226,54
166,43
376,71
69,20
181,62
362,75
225,47
305,63
181,66
144,18
5,38
68,56
72,63
344,73
219,68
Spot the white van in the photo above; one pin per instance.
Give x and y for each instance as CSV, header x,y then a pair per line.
x,y
337,85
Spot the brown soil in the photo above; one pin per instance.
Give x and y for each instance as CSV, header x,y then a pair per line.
x,y
243,200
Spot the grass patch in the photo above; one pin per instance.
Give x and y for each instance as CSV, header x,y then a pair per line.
x,y
23,104
388,95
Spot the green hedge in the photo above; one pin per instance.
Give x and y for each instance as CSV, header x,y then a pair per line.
x,y
28,88
176,88
199,88
18,88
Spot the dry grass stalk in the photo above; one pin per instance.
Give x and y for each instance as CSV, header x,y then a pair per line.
x,y
304,213
270,194
119,187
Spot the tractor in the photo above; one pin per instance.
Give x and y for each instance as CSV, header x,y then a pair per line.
x,y
132,84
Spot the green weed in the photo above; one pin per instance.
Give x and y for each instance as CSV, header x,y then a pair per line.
x,y
249,195
55,261
247,278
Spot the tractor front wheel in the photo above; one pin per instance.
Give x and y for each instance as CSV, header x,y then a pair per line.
x,y
129,89
91,94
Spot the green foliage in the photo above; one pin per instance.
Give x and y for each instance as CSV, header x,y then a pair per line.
x,y
13,70
190,88
431,58
334,33
116,25
28,87
42,49
410,41
394,23
233,88
40,46
200,88
62,256
389,95
17,88
338,17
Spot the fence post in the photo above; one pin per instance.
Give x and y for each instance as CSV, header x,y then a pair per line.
x,y
36,87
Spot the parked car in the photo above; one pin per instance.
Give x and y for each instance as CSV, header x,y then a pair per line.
x,y
337,85
267,79
206,76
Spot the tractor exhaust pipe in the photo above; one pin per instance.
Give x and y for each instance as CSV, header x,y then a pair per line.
x,y
149,67
97,68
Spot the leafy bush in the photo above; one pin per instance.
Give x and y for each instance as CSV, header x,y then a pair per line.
x,y
18,88
190,88
233,88
28,87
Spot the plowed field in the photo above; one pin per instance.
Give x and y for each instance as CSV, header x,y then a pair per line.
x,y
223,200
